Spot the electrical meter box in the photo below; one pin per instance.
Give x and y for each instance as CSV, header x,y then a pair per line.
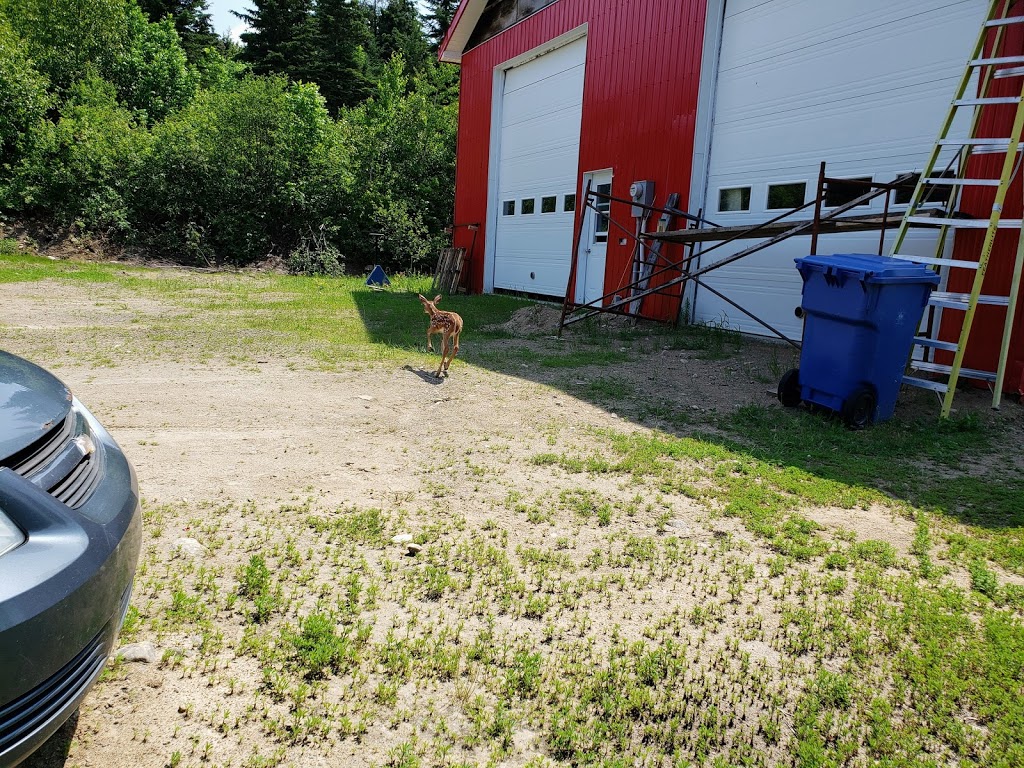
x,y
641,192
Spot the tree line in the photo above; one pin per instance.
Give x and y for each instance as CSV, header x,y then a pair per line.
x,y
326,139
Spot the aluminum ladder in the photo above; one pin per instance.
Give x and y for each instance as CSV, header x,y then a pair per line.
x,y
990,66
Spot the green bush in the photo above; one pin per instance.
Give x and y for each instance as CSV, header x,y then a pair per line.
x,y
82,169
23,97
9,247
315,256
403,166
239,175
105,125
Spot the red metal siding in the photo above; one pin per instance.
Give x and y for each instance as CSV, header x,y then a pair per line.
x,y
639,107
987,330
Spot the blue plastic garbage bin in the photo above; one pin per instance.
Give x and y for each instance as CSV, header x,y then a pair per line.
x,y
860,315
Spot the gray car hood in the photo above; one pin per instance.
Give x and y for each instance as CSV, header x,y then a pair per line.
x,y
31,402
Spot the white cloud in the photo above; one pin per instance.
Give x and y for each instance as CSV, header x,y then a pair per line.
x,y
235,33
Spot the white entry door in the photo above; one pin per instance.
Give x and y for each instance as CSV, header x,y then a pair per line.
x,y
594,240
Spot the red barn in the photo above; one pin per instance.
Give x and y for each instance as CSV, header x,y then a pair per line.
x,y
733,104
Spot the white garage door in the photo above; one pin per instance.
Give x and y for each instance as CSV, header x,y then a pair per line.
x,y
862,86
539,147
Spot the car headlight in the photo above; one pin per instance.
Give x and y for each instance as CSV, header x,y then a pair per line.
x,y
11,536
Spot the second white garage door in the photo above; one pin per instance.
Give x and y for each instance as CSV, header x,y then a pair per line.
x,y
862,86
539,146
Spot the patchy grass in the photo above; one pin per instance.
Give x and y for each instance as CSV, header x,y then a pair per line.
x,y
621,643
612,647
607,597
919,461
246,316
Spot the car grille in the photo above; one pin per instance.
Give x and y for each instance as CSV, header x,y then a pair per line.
x,y
26,714
77,487
62,462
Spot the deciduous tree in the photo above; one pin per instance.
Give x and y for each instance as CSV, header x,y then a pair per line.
x,y
24,97
191,21
403,166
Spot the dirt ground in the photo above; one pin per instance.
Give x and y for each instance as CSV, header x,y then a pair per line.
x,y
272,432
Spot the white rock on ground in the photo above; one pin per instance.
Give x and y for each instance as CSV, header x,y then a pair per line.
x,y
189,547
144,652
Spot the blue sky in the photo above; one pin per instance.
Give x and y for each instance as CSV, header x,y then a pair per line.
x,y
220,15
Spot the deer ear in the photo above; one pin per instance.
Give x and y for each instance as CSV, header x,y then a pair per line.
x,y
437,298
420,295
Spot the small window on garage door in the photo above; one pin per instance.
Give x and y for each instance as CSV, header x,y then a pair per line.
x,y
786,195
734,199
842,191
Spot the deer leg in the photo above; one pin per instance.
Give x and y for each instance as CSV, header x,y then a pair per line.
x,y
451,354
454,348
440,364
430,347
446,358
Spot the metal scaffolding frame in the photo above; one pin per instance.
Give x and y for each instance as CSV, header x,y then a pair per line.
x,y
620,300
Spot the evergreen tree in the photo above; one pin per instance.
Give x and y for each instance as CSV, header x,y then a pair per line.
x,y
439,17
282,38
398,29
191,21
341,58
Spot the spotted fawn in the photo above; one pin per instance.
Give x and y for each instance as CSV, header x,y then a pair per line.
x,y
449,325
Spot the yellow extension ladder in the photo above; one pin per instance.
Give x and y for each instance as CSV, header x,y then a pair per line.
x,y
989,65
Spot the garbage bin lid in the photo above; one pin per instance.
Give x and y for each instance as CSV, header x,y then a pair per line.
x,y
869,268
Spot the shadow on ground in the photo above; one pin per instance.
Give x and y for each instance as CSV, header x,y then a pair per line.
x,y
54,753
427,377
711,383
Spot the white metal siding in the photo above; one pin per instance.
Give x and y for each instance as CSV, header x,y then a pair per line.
x,y
541,111
863,86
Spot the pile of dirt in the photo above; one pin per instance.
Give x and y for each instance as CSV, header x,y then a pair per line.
x,y
536,320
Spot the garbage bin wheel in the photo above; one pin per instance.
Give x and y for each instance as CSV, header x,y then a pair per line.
x,y
859,409
789,388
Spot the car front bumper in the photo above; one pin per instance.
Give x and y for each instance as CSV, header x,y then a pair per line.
x,y
63,596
